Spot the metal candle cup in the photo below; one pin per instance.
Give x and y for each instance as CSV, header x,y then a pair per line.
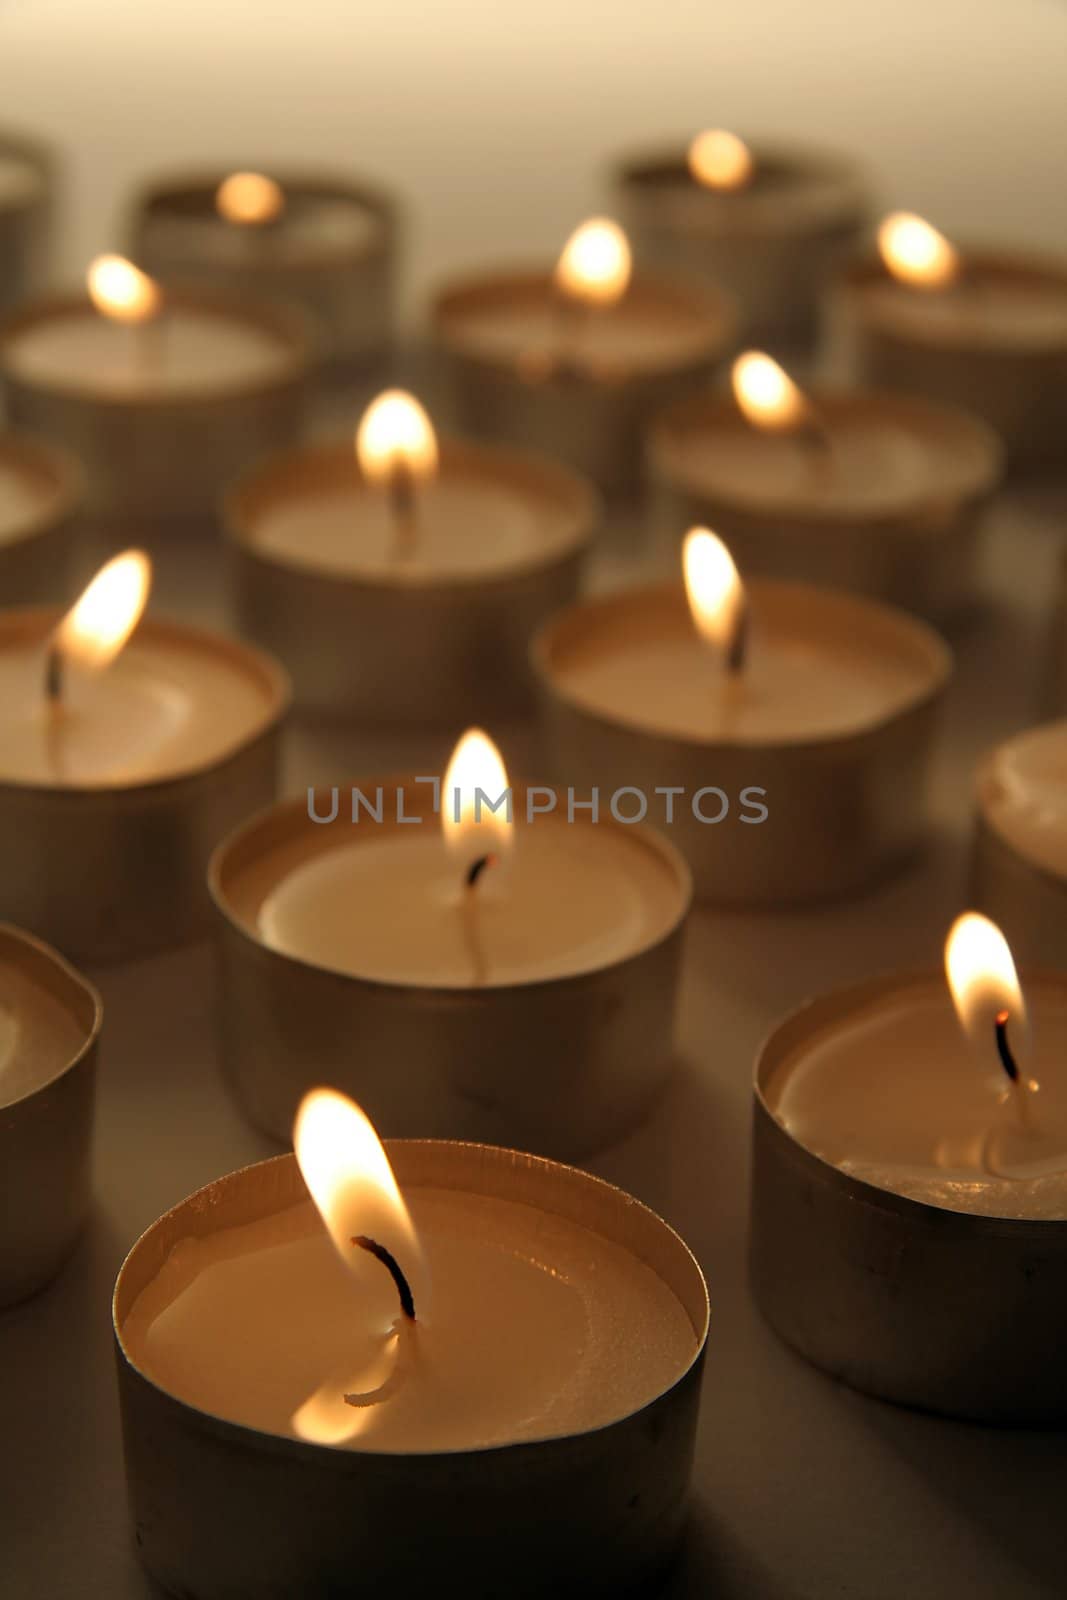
x,y
37,547
844,809
1014,379
915,545
156,462
222,1509
344,280
592,417
46,1133
563,1065
108,870
406,645
1025,895
25,216
772,244
948,1311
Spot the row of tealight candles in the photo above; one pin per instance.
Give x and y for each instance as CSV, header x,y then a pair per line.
x,y
472,958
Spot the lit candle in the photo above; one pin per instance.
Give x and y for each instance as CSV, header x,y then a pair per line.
x,y
202,384
476,1302
575,360
49,1023
911,1161
869,491
176,738
388,578
982,329
781,715
325,243
1019,867
536,921
767,223
41,492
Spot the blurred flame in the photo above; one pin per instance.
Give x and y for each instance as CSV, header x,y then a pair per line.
x,y
395,431
720,160
595,263
767,394
982,978
122,291
713,586
475,777
915,253
249,198
98,624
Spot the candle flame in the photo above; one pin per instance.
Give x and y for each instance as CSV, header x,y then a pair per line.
x,y
474,782
983,981
720,160
122,291
767,394
595,264
249,199
713,587
99,623
916,253
395,432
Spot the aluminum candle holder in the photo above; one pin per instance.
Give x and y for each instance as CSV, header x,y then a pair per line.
x,y
562,1064
948,1311
38,544
46,1133
157,462
1013,378
27,183
915,546
772,245
407,645
222,1509
333,252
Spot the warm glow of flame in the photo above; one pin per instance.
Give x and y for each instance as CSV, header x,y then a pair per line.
x,y
767,394
915,253
981,975
249,198
595,264
122,291
395,431
475,779
720,160
713,586
97,625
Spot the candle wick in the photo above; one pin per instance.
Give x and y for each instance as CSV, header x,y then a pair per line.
x,y
469,914
1007,1060
53,676
403,508
736,653
477,868
394,1269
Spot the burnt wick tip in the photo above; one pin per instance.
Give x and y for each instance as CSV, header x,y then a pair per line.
x,y
477,868
1007,1059
394,1269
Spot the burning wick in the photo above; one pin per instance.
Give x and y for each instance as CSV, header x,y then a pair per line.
x,y
469,908
769,399
99,623
717,600
737,646
396,447
477,868
53,676
123,293
1007,1060
592,273
394,1269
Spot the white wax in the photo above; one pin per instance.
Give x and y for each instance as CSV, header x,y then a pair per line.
x,y
38,1036
538,1327
166,706
893,1093
1022,793
311,227
991,311
812,672
465,527
387,902
183,352
20,181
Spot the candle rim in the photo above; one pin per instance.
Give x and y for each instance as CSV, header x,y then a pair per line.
x,y
1022,268
31,458
44,966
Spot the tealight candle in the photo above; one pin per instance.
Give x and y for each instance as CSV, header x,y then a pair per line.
x,y
400,581
41,493
783,731
116,785
324,242
521,969
296,1399
909,1190
27,175
976,328
873,492
49,1024
767,223
575,361
163,395
1020,844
